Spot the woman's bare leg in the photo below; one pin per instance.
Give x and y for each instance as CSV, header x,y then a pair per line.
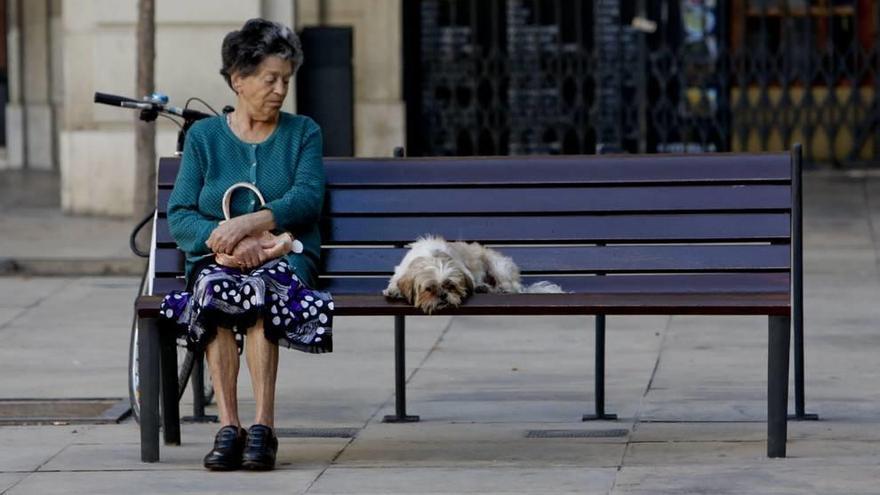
x,y
262,360
222,356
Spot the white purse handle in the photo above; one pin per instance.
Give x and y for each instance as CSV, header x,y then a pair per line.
x,y
227,196
227,200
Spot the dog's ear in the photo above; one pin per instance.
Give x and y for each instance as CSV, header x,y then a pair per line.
x,y
405,285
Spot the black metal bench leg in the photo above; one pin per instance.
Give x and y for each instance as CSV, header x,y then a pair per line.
x,y
400,415
599,375
777,385
170,407
148,373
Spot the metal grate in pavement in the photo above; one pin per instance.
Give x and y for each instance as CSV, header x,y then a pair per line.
x,y
316,432
615,433
62,411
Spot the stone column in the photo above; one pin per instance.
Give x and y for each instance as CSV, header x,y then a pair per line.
x,y
97,141
378,101
282,11
33,73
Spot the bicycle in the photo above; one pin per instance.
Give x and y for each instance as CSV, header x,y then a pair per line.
x,y
190,364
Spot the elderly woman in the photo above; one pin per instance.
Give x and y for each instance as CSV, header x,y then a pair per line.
x,y
246,287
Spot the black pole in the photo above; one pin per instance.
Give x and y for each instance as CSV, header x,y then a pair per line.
x,y
412,75
797,282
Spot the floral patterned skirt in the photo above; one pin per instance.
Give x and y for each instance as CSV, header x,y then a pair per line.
x,y
294,315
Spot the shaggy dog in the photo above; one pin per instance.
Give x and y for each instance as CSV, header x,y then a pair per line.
x,y
436,273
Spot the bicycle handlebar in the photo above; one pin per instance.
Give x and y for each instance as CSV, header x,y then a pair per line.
x,y
125,102
112,100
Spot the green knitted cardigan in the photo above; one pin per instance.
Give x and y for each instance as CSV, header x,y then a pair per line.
x,y
286,167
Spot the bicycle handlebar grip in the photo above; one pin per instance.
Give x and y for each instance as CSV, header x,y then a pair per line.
x,y
194,114
112,100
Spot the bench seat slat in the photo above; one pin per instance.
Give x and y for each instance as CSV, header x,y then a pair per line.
x,y
432,201
561,304
696,168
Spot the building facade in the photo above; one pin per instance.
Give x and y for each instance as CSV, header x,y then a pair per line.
x,y
60,52
463,77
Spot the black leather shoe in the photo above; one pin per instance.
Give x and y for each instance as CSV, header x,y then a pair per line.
x,y
228,446
260,450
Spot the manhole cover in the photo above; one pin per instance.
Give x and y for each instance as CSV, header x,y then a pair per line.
x,y
316,432
62,411
576,433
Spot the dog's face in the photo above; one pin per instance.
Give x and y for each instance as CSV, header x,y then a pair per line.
x,y
435,282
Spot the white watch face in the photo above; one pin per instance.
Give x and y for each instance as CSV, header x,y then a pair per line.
x,y
297,246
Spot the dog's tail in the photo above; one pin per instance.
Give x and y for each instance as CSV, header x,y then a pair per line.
x,y
542,287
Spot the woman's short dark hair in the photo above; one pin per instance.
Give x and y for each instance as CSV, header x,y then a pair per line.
x,y
245,49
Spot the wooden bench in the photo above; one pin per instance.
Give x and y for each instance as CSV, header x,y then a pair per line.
x,y
705,234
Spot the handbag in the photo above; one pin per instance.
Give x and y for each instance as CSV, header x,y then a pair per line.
x,y
281,244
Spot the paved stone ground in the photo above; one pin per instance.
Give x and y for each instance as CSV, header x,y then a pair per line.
x,y
690,391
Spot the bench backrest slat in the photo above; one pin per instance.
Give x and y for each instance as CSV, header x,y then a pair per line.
x,y
551,229
414,201
720,215
572,260
561,170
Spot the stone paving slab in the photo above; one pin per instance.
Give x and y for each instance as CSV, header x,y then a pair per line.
x,y
292,453
453,480
20,292
759,478
8,315
522,453
8,480
189,482
27,448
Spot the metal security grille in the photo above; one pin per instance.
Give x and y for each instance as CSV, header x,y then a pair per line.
x,y
505,77
485,77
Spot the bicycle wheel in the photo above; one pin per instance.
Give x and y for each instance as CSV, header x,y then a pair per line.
x,y
185,366
185,362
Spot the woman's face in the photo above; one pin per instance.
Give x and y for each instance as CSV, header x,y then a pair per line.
x,y
263,92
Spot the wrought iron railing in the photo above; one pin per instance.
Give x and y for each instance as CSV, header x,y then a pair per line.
x,y
571,76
